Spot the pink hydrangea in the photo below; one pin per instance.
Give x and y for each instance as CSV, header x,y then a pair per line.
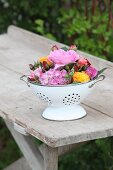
x,y
63,57
54,77
36,73
92,72
32,76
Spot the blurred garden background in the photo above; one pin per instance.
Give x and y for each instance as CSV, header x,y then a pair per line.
x,y
89,25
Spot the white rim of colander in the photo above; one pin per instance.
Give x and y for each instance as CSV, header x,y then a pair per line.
x,y
72,84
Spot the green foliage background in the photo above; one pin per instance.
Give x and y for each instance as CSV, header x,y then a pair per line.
x,y
89,24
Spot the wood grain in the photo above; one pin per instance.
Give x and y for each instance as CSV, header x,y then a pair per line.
x,y
18,48
20,164
63,149
50,158
28,148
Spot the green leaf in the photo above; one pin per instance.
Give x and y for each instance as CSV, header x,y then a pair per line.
x,y
36,64
84,68
69,66
71,74
65,48
75,83
67,76
101,71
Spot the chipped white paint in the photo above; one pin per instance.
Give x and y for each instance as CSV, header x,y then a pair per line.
x,y
20,129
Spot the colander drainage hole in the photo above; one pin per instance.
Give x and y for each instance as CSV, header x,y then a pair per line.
x,y
44,98
71,99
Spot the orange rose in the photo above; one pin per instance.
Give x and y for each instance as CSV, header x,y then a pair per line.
x,y
80,77
42,59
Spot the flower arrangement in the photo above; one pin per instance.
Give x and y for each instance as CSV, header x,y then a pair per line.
x,y
61,67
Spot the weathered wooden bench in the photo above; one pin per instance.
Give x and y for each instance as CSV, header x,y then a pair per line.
x,y
21,110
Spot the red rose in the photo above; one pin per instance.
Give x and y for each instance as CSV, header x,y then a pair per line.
x,y
73,47
83,62
54,47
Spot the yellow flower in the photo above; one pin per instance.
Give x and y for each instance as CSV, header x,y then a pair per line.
x,y
80,77
45,58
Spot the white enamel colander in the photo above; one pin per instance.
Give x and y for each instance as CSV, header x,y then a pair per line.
x,y
63,101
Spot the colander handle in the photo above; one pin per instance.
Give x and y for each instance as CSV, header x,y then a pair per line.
x,y
24,78
100,78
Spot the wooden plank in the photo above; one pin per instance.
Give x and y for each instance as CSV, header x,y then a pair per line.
x,y
26,109
28,148
44,44
32,40
18,104
23,54
20,129
50,158
63,149
20,48
68,148
20,54
20,164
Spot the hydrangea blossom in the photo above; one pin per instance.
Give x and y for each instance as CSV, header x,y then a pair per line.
x,y
92,72
62,66
54,77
